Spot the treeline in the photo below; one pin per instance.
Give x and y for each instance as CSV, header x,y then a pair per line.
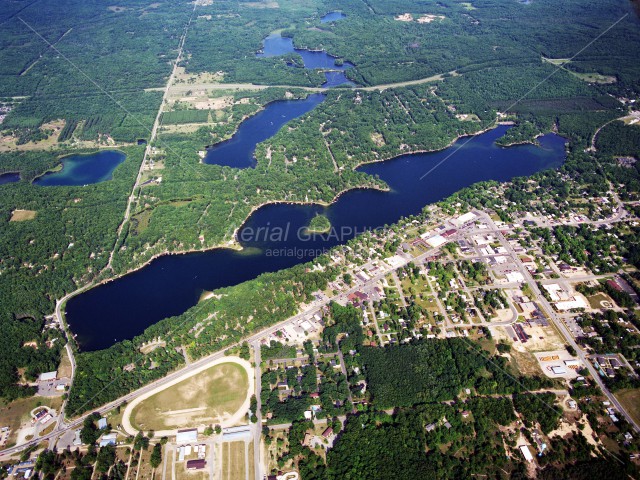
x,y
105,375
42,259
619,139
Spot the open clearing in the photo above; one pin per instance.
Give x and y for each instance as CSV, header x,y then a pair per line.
x,y
591,77
599,301
64,369
17,413
211,395
630,400
22,215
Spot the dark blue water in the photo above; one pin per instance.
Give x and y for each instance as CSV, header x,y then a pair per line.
x,y
275,45
83,169
9,178
337,79
332,17
238,151
171,284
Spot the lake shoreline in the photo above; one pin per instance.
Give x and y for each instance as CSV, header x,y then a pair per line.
x,y
207,267
235,245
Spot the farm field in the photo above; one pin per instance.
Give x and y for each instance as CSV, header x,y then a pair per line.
x,y
235,461
630,400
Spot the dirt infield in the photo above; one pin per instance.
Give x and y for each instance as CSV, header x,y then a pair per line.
x,y
215,393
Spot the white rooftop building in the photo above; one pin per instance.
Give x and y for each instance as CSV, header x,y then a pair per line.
x,y
526,453
48,376
186,436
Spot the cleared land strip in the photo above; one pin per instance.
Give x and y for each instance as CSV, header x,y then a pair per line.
x,y
251,86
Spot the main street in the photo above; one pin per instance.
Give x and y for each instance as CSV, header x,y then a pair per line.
x,y
556,320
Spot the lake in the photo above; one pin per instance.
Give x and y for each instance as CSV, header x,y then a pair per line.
x,y
332,17
275,45
83,169
171,284
9,178
238,151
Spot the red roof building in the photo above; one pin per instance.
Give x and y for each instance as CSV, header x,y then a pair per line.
x,y
198,464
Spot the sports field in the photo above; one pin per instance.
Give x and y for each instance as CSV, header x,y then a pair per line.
x,y
203,399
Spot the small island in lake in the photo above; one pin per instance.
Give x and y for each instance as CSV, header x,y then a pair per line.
x,y
319,224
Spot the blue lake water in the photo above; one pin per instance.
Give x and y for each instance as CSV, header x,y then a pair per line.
x,y
332,17
9,178
83,169
275,45
238,151
171,284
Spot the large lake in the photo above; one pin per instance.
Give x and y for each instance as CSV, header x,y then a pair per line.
x,y
238,151
83,169
171,284
275,45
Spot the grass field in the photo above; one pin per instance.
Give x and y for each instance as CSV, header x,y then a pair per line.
x,y
630,400
16,413
183,474
22,215
64,369
595,301
205,398
145,468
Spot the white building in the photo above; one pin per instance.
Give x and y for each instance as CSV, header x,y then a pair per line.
x,y
186,436
436,241
526,453
462,219
515,277
576,302
48,376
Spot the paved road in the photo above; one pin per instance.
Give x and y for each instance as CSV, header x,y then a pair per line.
x,y
256,337
257,427
183,88
314,306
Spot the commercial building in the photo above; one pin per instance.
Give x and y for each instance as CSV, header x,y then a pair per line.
x,y
48,376
189,435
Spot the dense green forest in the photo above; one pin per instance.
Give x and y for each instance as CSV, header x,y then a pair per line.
x,y
63,247
404,375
